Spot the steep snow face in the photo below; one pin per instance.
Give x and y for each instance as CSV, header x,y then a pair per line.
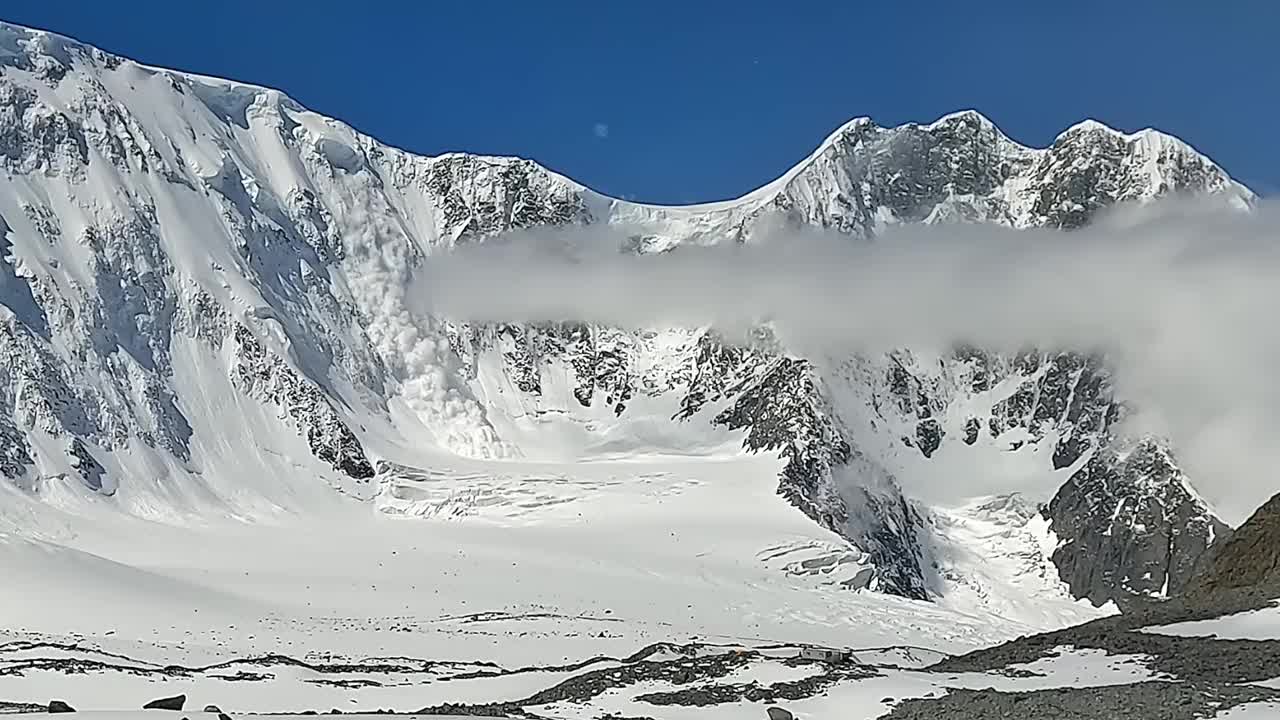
x,y
171,236
207,283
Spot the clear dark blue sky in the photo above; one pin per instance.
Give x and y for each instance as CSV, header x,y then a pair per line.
x,y
702,99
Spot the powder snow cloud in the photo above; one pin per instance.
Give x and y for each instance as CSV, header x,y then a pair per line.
x,y
1182,296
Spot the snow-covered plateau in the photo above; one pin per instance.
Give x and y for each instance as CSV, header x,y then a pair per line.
x,y
241,464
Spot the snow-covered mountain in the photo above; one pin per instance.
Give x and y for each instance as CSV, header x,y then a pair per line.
x,y
205,282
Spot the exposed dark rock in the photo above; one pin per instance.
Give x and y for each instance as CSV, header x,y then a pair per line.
x,y
1091,167
498,711
1129,525
20,707
719,694
719,365
15,453
520,360
887,527
777,713
168,703
582,687
914,398
34,137
1194,659
510,195
782,411
58,706
1250,558
267,376
91,471
1135,701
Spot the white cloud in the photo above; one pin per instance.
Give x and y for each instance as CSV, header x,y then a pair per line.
x,y
1182,297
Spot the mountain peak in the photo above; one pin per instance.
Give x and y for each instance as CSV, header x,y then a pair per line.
x,y
1089,125
969,115
1148,136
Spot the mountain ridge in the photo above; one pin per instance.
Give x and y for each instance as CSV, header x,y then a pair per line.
x,y
57,45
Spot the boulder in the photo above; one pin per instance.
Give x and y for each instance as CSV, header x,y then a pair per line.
x,y
58,706
777,713
170,703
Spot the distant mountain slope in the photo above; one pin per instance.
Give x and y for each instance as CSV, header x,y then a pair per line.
x,y
1250,558
205,282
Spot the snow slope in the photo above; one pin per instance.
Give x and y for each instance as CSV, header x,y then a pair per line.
x,y
683,551
1252,625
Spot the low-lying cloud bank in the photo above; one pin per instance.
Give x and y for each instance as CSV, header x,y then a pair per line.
x,y
1183,297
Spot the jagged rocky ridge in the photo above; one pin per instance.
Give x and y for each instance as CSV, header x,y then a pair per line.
x,y
179,248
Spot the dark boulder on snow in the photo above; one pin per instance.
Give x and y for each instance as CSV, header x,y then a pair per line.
x,y
58,706
170,703
777,713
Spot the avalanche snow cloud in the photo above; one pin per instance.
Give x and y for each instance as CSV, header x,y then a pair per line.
x,y
1180,295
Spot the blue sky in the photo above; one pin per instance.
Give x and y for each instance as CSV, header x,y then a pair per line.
x,y
701,99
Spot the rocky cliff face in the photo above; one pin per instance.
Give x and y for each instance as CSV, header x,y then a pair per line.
x,y
1130,524
183,250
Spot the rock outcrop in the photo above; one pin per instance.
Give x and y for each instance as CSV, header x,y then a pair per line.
x,y
1129,523
1249,558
